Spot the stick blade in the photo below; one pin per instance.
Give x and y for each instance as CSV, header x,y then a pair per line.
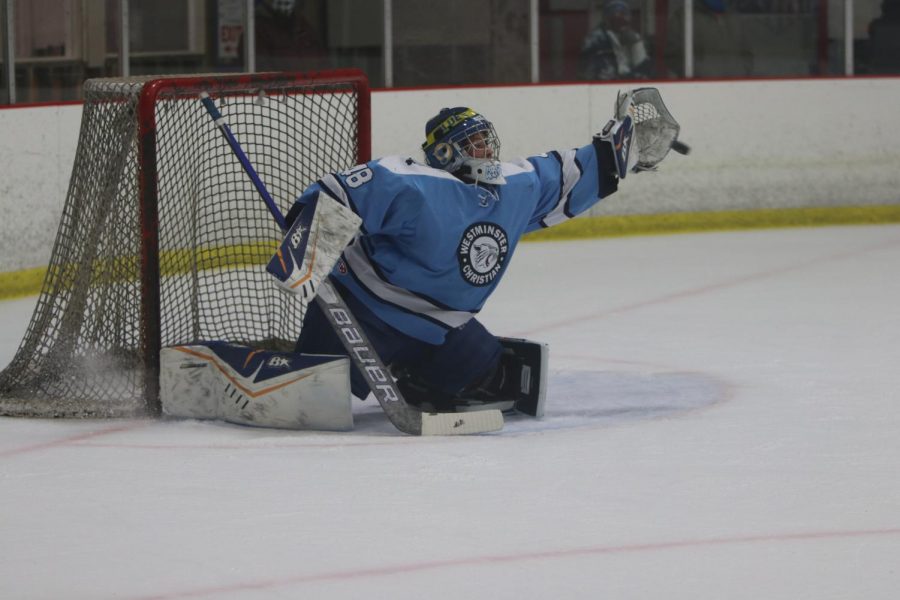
x,y
462,423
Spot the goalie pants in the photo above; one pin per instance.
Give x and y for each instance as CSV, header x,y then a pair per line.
x,y
468,353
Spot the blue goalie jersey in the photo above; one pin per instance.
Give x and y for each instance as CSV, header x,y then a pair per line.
x,y
432,247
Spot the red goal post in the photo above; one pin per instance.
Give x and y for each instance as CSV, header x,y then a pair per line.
x,y
162,238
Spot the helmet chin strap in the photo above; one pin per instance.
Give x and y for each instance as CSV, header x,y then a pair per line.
x,y
482,170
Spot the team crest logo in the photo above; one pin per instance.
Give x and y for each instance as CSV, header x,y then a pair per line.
x,y
482,253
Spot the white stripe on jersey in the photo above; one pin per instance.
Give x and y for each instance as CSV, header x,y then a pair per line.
x,y
571,174
516,167
334,187
403,165
358,261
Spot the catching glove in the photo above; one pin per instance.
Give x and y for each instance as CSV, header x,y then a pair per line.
x,y
642,132
619,134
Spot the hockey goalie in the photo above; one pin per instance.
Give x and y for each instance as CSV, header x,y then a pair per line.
x,y
414,248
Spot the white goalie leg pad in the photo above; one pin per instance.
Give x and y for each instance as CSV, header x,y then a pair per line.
x,y
313,245
241,385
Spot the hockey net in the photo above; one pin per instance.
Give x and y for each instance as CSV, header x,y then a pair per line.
x,y
163,239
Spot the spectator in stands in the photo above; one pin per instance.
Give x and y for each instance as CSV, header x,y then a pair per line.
x,y
884,39
285,39
614,49
721,47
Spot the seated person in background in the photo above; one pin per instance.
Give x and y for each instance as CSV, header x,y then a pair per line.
x,y
285,39
614,49
884,39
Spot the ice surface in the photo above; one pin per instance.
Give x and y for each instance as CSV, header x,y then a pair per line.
x,y
722,422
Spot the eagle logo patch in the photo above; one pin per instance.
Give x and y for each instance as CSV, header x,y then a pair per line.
x,y
482,253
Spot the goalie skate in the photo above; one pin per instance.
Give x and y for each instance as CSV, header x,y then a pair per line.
x,y
528,368
518,385
523,384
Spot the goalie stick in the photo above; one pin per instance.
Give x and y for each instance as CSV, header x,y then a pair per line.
x,y
403,416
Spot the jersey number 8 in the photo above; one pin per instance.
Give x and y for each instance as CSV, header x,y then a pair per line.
x,y
357,176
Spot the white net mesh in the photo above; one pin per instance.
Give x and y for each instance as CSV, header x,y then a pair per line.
x,y
89,348
655,128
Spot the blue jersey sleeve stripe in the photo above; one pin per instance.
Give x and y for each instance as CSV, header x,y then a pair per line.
x,y
367,251
367,276
361,284
570,174
576,164
414,302
544,223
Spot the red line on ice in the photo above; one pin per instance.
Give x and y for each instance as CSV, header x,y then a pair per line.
x,y
515,558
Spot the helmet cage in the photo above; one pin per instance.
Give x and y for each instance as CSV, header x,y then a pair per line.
x,y
463,138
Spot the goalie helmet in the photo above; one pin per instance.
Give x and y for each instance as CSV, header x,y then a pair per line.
x,y
463,142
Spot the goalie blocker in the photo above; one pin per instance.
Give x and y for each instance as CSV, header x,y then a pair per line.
x,y
312,246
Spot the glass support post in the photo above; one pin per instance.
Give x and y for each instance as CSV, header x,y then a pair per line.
x,y
688,39
9,49
534,41
388,43
250,36
124,40
848,37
